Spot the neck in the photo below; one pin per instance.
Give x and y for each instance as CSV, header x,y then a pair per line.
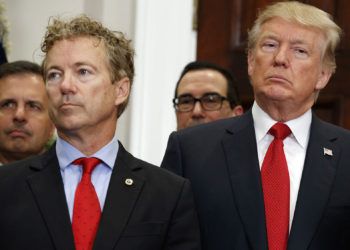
x,y
8,157
283,112
88,142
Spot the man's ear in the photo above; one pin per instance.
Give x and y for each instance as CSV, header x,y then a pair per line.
x,y
122,90
237,110
323,78
251,62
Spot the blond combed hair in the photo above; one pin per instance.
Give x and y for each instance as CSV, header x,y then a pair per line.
x,y
306,15
119,51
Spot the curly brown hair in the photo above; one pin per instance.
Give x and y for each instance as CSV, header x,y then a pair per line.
x,y
120,53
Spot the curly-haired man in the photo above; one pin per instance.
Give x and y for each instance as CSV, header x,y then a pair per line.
x,y
87,191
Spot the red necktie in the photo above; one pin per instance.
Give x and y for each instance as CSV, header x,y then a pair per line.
x,y
86,211
275,182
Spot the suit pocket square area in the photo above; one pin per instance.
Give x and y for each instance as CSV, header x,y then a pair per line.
x,y
144,229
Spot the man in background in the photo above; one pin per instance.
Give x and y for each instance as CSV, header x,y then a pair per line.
x,y
205,92
87,192
276,177
25,125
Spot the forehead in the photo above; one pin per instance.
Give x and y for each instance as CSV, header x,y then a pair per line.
x,y
199,82
77,49
292,32
22,86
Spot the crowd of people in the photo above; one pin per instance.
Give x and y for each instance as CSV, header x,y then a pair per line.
x,y
273,177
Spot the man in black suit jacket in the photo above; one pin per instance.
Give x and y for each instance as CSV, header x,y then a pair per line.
x,y
88,72
290,59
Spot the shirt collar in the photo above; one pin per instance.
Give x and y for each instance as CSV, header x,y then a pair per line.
x,y
300,126
67,153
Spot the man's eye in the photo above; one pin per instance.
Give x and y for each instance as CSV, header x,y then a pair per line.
x,y
185,100
269,46
301,53
84,72
211,98
52,76
34,106
8,104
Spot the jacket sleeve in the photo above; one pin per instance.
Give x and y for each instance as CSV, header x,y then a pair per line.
x,y
172,158
183,232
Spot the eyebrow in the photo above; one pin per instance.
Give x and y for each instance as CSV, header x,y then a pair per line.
x,y
52,67
30,101
272,36
91,65
204,94
5,100
76,64
34,102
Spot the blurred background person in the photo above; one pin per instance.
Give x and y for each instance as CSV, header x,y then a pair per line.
x,y
25,126
204,93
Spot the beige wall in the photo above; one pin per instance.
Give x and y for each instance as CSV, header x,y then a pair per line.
x,y
28,19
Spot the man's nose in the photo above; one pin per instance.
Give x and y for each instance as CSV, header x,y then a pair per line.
x,y
282,57
197,109
20,113
68,85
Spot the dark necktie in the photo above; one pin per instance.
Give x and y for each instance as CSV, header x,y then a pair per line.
x,y
86,211
275,182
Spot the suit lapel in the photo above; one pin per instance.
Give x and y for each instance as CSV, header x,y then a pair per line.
x,y
242,161
121,198
47,188
318,175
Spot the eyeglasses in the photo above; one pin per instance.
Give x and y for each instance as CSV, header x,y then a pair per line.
x,y
209,102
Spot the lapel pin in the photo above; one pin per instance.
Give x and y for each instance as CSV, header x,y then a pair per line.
x,y
327,151
129,182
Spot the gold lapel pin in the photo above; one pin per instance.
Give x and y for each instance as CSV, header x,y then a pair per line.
x,y
129,182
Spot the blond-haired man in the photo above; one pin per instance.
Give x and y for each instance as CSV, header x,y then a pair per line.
x,y
251,191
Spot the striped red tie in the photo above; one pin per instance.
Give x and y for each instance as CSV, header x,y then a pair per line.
x,y
86,211
275,182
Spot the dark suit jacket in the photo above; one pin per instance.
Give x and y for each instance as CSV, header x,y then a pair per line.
x,y
156,212
220,159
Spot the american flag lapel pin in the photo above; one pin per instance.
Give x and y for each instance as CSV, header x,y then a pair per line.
x,y
327,151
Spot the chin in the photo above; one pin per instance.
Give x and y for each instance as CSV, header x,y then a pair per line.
x,y
277,97
277,94
67,124
192,124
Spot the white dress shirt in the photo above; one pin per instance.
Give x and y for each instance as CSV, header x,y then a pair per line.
x,y
295,146
71,174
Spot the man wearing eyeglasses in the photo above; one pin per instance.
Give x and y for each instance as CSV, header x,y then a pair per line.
x,y
205,92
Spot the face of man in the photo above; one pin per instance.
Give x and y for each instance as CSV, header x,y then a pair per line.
x,y
25,126
82,97
286,67
198,83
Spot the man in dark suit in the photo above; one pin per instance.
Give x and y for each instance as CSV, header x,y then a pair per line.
x,y
25,126
229,162
204,93
87,191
